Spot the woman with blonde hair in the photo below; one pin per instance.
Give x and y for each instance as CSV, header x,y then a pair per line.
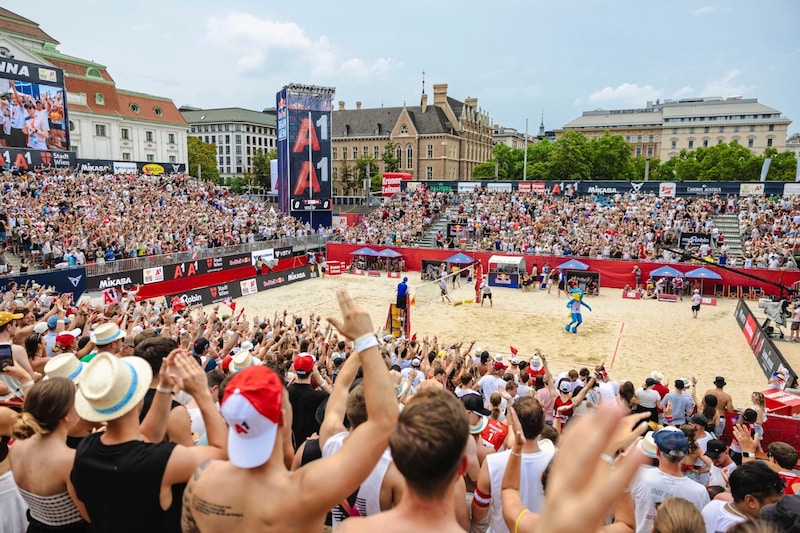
x,y
760,407
42,462
676,515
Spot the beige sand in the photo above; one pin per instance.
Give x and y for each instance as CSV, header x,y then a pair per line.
x,y
632,337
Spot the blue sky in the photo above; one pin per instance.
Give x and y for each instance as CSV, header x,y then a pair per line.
x,y
517,57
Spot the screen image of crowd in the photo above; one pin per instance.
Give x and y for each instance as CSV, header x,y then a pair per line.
x,y
32,116
358,431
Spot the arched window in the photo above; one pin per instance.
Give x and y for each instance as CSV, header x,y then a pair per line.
x,y
409,156
134,107
99,99
92,72
398,154
403,130
158,111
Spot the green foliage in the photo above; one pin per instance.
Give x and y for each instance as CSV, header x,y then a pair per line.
x,y
783,167
203,155
391,163
347,176
236,184
484,170
367,167
261,170
640,164
610,157
570,158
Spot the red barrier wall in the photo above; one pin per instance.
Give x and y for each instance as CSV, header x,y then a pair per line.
x,y
614,273
156,290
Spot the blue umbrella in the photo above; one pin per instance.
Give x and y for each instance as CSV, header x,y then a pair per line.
x,y
364,251
702,273
573,264
459,258
388,252
666,272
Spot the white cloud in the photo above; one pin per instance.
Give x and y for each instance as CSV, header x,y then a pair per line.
x,y
726,87
625,95
684,92
702,11
261,43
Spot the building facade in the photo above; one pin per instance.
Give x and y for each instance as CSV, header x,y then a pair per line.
x,y
237,133
105,122
443,141
663,129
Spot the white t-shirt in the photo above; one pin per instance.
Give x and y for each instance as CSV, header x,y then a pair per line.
x,y
489,385
530,484
696,299
648,398
368,497
409,371
652,486
718,517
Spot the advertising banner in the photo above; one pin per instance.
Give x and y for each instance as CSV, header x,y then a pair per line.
x,y
209,265
117,279
524,187
65,281
208,295
248,286
456,230
667,189
95,165
694,240
153,275
285,277
391,182
468,186
125,167
751,189
769,358
499,279
33,98
25,160
281,184
157,169
307,122
499,186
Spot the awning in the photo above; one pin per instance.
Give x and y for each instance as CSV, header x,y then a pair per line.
x,y
459,258
364,251
573,264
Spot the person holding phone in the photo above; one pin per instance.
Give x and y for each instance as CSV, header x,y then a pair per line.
x,y
12,354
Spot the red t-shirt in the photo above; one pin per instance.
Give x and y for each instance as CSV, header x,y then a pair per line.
x,y
792,483
566,413
494,434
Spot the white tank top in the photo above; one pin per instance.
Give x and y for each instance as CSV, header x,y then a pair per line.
x,y
368,496
530,484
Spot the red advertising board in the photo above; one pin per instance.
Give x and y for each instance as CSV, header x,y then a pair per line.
x,y
391,182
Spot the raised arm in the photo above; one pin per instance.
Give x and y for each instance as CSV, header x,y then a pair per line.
x,y
326,480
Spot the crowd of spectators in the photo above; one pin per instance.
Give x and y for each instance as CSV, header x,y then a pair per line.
x,y
622,226
67,218
485,442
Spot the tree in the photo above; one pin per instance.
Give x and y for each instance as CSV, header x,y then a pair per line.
x,y
655,172
783,166
367,167
570,159
484,170
348,178
391,163
203,156
261,168
610,157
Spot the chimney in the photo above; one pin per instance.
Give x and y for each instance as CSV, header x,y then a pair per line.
x,y
440,94
424,102
471,102
341,105
358,105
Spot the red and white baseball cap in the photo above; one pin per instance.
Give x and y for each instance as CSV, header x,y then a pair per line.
x,y
251,406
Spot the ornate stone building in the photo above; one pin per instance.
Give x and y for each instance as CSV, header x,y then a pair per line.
x,y
443,141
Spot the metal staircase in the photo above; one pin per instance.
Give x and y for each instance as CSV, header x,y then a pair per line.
x,y
428,239
728,226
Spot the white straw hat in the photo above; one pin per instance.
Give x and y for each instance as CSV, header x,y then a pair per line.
x,y
64,365
242,360
110,387
106,334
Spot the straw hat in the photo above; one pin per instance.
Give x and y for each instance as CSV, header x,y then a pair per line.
x,y
106,334
242,360
110,387
64,365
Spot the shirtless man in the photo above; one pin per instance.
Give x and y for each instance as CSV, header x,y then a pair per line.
x,y
724,403
228,496
428,446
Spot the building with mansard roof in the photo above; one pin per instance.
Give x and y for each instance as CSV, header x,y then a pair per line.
x,y
441,140
105,122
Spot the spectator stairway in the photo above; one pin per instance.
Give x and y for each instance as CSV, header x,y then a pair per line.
x,y
728,226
